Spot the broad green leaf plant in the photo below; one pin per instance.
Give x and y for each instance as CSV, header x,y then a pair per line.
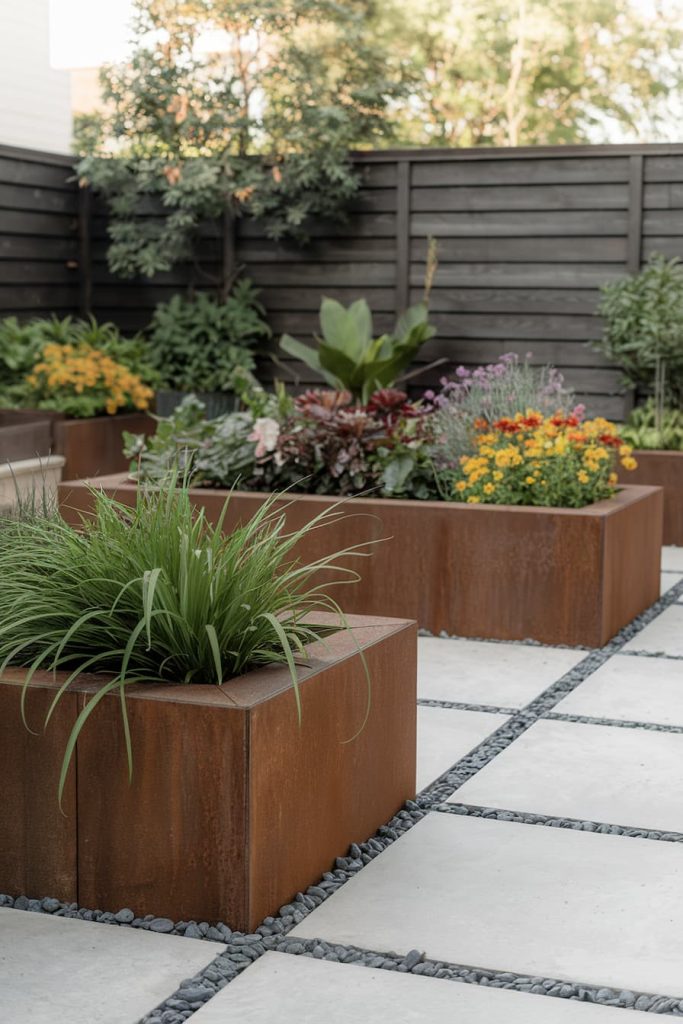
x,y
350,359
156,594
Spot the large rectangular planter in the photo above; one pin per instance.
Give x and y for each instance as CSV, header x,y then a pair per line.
x,y
233,807
24,435
665,470
560,576
93,447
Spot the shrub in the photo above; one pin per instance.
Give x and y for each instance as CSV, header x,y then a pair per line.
x,y
350,359
644,328
82,381
502,389
531,459
155,593
201,344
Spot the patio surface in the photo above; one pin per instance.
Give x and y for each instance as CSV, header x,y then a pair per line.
x,y
542,858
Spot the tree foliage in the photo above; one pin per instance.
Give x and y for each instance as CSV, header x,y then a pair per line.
x,y
533,72
232,104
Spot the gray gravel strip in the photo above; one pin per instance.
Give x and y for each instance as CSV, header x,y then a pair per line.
x,y
620,723
415,962
458,705
528,818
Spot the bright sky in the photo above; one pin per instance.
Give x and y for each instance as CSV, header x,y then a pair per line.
x,y
87,33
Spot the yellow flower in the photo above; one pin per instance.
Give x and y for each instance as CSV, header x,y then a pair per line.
x,y
497,475
613,479
530,480
461,485
625,450
582,476
629,462
489,488
473,500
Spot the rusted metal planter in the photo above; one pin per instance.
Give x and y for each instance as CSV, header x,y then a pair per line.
x,y
93,447
664,469
24,435
233,807
560,576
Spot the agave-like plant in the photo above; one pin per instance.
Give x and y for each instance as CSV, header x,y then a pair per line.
x,y
349,358
155,593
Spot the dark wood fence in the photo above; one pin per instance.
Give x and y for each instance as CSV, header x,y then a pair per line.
x,y
39,234
526,237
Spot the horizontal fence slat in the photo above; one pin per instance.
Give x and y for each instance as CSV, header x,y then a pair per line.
x,y
537,171
521,197
538,276
558,223
588,249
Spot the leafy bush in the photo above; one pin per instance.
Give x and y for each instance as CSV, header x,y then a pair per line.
x,y
531,459
644,327
23,345
200,344
653,429
502,389
156,594
348,358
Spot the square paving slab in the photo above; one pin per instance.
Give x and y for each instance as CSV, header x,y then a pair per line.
x,y
664,635
444,735
556,903
672,558
476,672
602,773
297,990
631,689
56,970
669,580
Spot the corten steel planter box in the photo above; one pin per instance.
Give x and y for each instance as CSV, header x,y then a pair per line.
x,y
24,435
233,807
93,447
664,469
560,576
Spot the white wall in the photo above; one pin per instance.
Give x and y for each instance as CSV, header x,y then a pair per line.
x,y
35,102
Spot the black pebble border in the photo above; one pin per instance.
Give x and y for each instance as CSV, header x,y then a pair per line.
x,y
619,723
459,705
527,818
241,950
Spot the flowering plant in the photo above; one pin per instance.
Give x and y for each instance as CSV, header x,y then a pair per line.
x,y
82,381
532,459
500,389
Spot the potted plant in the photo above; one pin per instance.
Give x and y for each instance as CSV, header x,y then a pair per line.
x,y
216,729
84,377
506,519
204,346
643,335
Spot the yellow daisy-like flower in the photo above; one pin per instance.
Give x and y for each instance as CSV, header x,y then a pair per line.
x,y
461,485
473,500
489,488
582,476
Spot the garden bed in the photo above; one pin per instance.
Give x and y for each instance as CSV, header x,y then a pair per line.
x,y
93,447
664,469
233,808
561,576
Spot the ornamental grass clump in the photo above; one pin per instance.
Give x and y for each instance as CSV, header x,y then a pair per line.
x,y
157,594
532,459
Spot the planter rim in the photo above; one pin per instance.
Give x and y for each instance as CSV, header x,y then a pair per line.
x,y
626,494
241,692
659,452
19,467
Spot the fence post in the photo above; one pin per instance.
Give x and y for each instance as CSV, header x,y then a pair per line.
x,y
403,183
84,252
635,213
229,258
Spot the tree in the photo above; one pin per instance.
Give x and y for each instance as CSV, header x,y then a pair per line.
x,y
533,72
245,105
